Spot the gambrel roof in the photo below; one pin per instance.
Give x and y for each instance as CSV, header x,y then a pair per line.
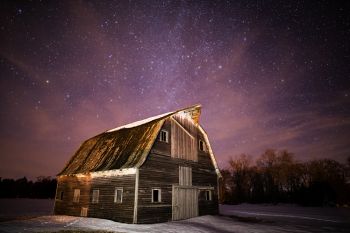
x,y
125,147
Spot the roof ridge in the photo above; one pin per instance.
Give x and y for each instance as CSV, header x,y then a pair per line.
x,y
149,119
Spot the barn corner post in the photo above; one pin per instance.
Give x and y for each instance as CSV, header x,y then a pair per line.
x,y
172,202
55,198
136,195
220,189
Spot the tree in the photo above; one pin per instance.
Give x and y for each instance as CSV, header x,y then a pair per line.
x,y
226,186
44,187
267,164
278,177
240,170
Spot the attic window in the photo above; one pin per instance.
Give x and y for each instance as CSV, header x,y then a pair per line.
x,y
164,136
95,195
156,195
76,195
201,145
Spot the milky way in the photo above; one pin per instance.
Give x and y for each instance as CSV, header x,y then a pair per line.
x,y
268,75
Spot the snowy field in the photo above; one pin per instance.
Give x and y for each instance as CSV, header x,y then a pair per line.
x,y
20,215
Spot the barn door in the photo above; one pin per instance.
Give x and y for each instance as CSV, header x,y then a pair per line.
x,y
185,202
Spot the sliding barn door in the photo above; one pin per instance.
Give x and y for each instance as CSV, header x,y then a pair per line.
x,y
185,202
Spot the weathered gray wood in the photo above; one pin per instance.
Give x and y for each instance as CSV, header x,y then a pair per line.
x,y
106,207
160,170
185,202
183,138
136,199
185,176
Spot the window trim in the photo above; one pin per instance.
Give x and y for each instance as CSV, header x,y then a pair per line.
x,y
159,195
76,195
116,196
210,196
201,142
95,197
166,136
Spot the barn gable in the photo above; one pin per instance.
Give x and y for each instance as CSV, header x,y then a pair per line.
x,y
125,147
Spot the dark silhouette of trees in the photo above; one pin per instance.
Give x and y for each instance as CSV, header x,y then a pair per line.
x,y
277,177
240,178
43,187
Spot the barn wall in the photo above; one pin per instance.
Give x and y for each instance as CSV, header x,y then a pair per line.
x,y
162,171
67,184
105,208
157,172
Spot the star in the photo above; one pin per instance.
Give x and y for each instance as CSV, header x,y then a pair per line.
x,y
267,71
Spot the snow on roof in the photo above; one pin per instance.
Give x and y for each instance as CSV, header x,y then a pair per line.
x,y
144,121
140,122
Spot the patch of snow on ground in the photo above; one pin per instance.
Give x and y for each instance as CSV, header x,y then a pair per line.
x,y
201,224
243,218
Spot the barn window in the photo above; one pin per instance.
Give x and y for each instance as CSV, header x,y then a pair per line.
x,y
156,195
164,136
207,194
95,195
201,145
118,195
61,195
76,195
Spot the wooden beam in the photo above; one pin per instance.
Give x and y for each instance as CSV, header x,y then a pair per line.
x,y
54,204
188,133
136,195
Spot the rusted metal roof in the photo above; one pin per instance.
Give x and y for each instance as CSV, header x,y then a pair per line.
x,y
123,147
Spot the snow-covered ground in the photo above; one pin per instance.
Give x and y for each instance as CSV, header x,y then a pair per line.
x,y
199,224
238,218
287,213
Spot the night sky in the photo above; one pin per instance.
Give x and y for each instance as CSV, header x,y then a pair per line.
x,y
268,75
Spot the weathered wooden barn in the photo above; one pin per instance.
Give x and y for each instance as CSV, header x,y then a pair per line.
x,y
155,170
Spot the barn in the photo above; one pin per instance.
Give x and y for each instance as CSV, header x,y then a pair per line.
x,y
154,170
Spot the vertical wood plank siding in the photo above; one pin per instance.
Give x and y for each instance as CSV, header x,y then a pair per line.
x,y
185,176
185,203
183,138
106,207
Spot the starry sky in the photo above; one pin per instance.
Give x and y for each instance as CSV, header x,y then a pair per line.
x,y
268,75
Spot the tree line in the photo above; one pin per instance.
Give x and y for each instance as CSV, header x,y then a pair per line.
x,y
43,187
276,177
